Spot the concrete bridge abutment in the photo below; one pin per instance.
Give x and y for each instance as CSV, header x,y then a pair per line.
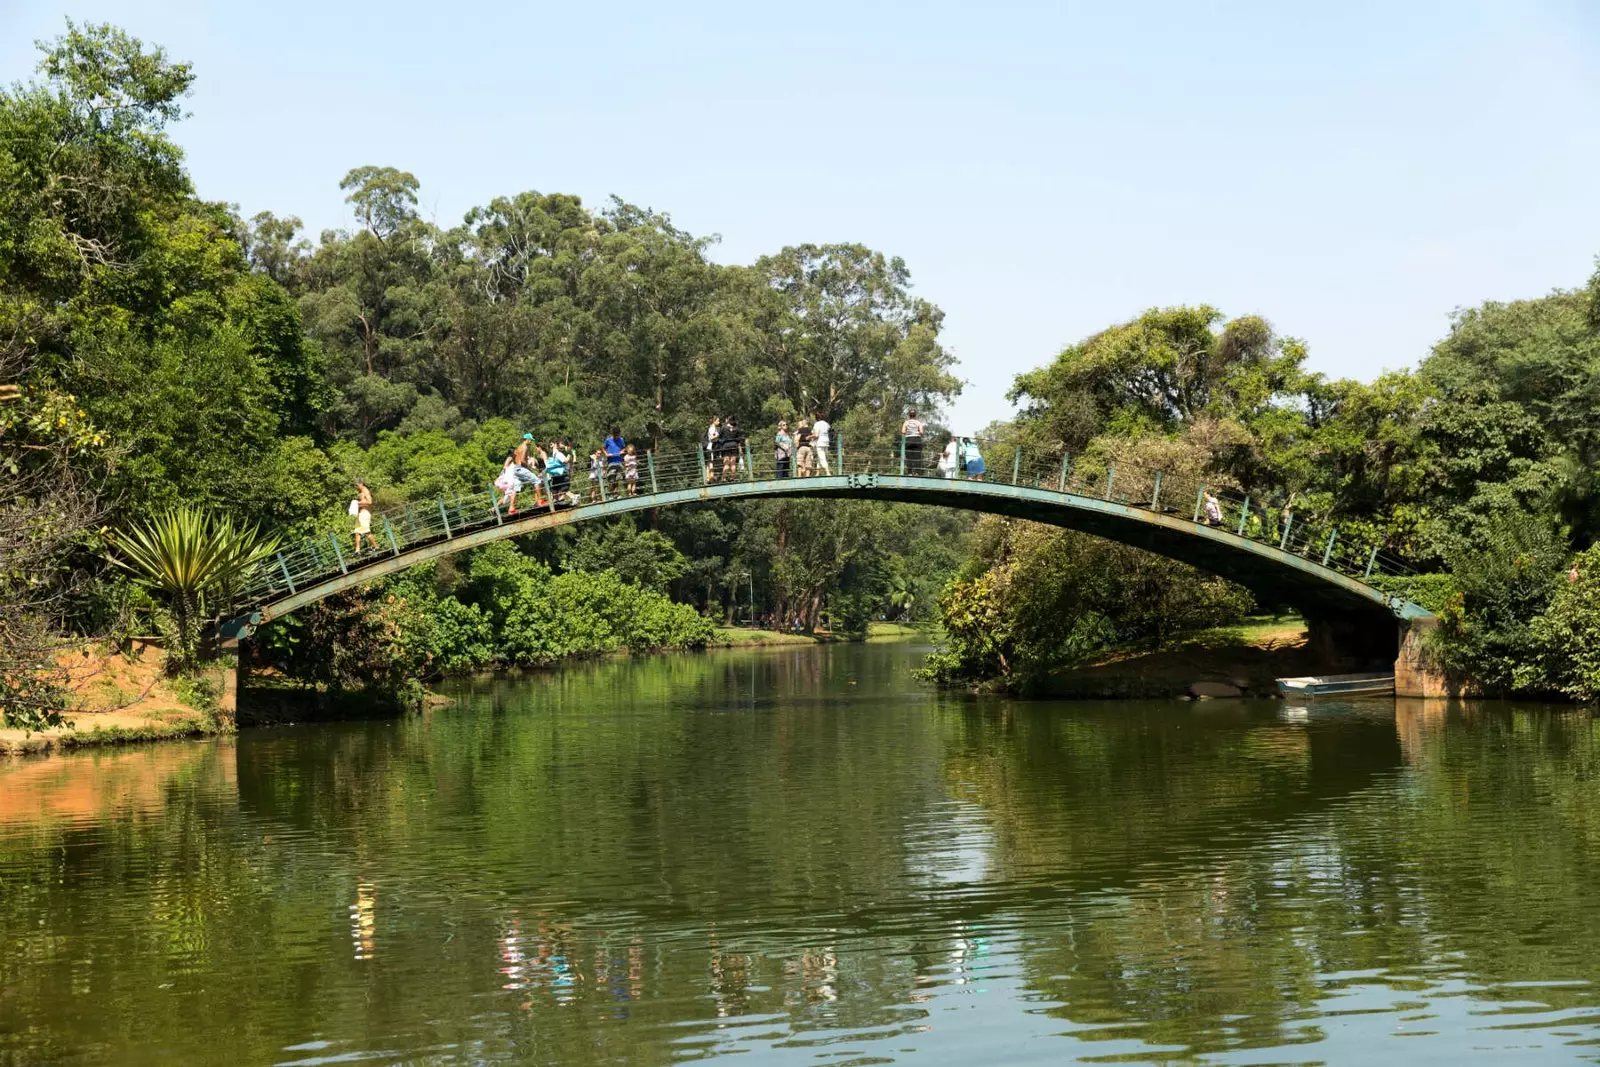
x,y
225,678
1415,672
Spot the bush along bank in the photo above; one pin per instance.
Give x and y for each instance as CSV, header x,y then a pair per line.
x,y
498,608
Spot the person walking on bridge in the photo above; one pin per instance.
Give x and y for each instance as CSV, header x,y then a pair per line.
x,y
507,483
363,504
523,472
556,469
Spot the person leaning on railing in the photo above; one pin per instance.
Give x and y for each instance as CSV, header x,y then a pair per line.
x,y
615,444
709,444
972,459
729,443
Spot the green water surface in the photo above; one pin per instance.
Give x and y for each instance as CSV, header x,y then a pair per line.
x,y
803,856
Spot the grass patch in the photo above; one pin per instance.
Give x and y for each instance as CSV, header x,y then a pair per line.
x,y
897,630
1253,630
740,636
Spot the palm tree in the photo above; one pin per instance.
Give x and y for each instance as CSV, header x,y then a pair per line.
x,y
196,561
902,595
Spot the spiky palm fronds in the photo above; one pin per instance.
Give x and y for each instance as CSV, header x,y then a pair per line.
x,y
195,560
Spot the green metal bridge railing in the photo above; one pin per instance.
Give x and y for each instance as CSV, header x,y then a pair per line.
x,y
325,556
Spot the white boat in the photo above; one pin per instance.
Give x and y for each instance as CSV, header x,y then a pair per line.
x,y
1327,685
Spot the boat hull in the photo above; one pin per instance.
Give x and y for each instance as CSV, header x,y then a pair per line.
x,y
1338,685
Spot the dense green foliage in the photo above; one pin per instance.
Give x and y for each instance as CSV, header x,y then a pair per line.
x,y
166,352
1053,598
503,608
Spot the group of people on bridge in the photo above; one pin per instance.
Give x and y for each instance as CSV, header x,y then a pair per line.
x,y
613,465
961,455
803,451
546,470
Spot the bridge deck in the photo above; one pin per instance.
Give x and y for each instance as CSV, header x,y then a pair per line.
x,y
1264,549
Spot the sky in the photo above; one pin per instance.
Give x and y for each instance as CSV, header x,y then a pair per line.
x,y
1353,172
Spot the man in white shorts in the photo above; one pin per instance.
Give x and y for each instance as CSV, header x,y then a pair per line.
x,y
363,503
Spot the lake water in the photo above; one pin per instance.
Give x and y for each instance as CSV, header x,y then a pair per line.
x,y
803,856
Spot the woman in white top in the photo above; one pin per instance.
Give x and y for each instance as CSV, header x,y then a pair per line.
x,y
708,447
950,459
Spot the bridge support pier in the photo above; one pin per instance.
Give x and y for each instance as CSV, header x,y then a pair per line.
x,y
230,664
1415,675
1344,646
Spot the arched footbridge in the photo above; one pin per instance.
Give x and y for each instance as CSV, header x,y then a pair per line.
x,y
1273,552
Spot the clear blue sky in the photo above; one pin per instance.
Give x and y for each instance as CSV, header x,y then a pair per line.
x,y
1352,171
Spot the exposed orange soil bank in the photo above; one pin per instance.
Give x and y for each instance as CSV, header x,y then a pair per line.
x,y
115,698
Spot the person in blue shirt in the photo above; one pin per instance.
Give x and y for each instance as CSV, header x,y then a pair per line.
x,y
972,458
614,446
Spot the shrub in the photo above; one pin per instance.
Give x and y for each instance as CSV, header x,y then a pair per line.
x,y
1566,636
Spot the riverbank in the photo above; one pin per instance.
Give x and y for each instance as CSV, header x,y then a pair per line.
x,y
1232,661
119,698
748,637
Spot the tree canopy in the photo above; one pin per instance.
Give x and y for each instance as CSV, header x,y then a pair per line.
x,y
168,352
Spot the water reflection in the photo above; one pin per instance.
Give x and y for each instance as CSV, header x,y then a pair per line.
x,y
804,854
88,788
364,920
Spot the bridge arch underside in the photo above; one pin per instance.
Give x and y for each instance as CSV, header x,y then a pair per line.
x,y
1320,593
